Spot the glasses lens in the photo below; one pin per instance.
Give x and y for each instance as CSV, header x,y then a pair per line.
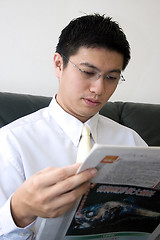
x,y
89,74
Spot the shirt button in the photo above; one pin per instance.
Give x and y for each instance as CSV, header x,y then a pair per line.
x,y
22,234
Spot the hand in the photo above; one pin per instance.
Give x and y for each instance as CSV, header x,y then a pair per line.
x,y
49,193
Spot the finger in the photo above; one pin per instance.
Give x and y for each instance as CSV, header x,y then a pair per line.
x,y
67,185
62,203
51,175
72,182
54,213
71,196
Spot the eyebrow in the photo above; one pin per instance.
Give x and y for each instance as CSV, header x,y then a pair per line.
x,y
86,64
97,69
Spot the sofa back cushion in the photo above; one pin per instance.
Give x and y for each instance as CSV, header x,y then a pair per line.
x,y
143,118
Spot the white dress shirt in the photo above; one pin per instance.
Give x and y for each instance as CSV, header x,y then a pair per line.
x,y
48,137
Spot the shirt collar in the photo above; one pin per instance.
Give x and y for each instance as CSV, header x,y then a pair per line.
x,y
71,125
92,124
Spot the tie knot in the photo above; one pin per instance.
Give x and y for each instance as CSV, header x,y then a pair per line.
x,y
86,131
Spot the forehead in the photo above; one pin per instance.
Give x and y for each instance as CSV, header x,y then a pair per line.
x,y
101,58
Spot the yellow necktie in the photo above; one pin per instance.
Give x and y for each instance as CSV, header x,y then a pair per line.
x,y
84,144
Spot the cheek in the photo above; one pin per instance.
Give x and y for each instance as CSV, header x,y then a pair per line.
x,y
78,85
109,91
71,89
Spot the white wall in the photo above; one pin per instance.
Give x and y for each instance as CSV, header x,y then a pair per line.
x,y
29,30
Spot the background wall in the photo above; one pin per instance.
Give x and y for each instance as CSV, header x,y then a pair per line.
x,y
29,31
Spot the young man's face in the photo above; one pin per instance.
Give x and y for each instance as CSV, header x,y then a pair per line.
x,y
81,93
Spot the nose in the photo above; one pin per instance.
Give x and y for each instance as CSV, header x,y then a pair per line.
x,y
97,86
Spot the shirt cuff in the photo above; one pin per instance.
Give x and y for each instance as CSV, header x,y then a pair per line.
x,y
8,228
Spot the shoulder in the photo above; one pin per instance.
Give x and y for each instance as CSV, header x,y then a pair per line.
x,y
109,123
26,121
118,134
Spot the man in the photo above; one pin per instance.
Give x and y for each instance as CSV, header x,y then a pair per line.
x,y
38,152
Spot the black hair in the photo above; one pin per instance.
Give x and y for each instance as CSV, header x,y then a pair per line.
x,y
93,31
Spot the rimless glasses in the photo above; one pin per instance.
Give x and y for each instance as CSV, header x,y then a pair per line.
x,y
90,73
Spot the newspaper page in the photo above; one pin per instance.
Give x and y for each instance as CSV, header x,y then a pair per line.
x,y
123,202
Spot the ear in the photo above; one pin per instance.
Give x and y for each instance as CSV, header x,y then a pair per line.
x,y
58,64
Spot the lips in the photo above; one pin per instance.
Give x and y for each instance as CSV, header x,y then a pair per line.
x,y
91,102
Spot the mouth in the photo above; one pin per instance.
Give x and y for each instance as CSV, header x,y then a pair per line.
x,y
91,102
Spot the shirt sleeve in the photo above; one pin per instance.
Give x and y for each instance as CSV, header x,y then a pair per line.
x,y
8,229
11,177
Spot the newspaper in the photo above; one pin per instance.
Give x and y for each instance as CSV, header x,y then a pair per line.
x,y
123,202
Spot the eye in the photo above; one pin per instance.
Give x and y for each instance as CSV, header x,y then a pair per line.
x,y
112,77
89,73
